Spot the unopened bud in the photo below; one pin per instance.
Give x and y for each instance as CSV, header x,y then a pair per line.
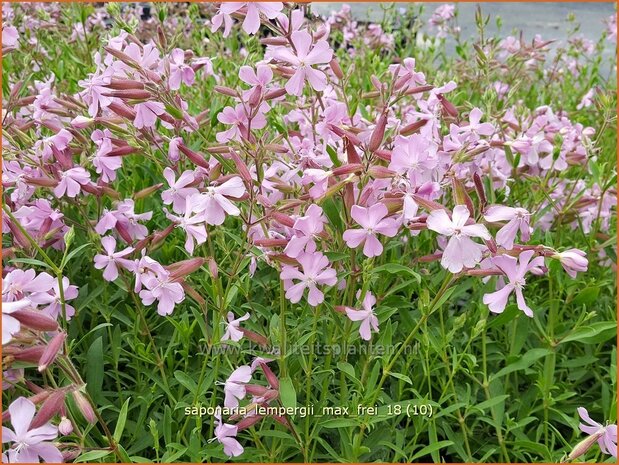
x,y
335,67
84,407
52,405
51,351
146,192
413,127
65,427
226,91
185,267
35,320
378,133
247,422
193,156
270,376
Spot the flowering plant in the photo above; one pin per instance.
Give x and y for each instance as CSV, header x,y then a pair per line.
x,y
246,232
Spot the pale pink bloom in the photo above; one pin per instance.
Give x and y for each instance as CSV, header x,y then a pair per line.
x,y
368,319
178,192
234,387
192,223
226,434
476,126
302,59
52,299
460,251
18,284
573,261
515,271
106,166
407,75
214,203
112,259
219,19
531,147
174,153
10,36
607,435
251,24
587,100
373,221
517,220
144,267
306,229
232,328
179,71
241,124
29,444
71,182
146,114
414,155
262,76
316,271
95,90
160,288
11,325
125,216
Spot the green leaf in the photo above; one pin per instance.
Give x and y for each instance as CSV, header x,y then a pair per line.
x,y
395,268
94,369
287,393
525,362
402,377
30,261
92,455
431,448
122,419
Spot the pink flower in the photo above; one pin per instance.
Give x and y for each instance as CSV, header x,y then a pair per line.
x,y
167,293
303,57
475,125
225,434
19,284
316,271
251,24
573,261
413,155
71,182
515,271
112,259
143,268
10,36
240,121
372,221
232,328
214,203
179,71
606,435
178,191
192,223
29,444
367,317
234,387
460,251
306,230
518,220
174,153
146,114
51,298
124,218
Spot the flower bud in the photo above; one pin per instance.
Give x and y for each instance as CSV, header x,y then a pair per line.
x,y
348,169
479,188
448,107
132,94
185,267
124,84
248,422
30,354
419,89
84,406
270,376
271,242
343,133
275,93
146,192
123,232
65,427
50,407
51,351
383,154
35,320
122,151
413,127
353,156
335,67
255,337
226,91
193,156
193,293
584,445
378,133
427,204
242,168
126,59
381,172
274,41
